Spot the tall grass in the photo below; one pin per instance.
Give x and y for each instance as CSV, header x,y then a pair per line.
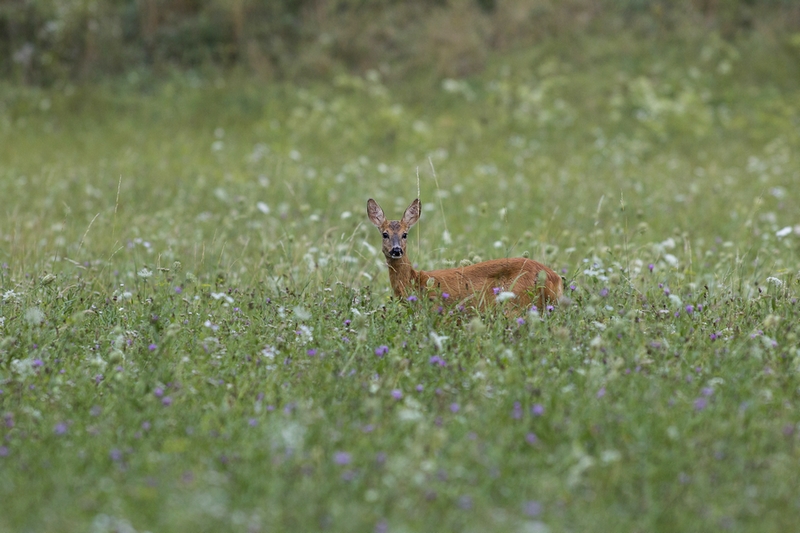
x,y
196,332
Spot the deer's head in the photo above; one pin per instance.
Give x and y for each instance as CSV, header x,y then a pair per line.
x,y
395,232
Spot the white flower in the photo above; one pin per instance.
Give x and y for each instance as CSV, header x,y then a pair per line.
x,y
774,281
11,296
269,352
505,295
264,208
223,296
784,231
438,340
145,273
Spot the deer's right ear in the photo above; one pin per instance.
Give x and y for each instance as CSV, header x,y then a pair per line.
x,y
375,213
411,215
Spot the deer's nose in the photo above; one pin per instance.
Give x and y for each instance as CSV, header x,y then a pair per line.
x,y
396,252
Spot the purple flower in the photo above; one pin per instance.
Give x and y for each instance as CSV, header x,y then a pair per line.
x,y
146,425
531,438
436,360
537,409
369,428
3,451
159,392
178,290
666,291
454,407
520,321
601,392
60,428
98,378
707,391
651,266
382,527
550,308
532,508
152,347
347,322
381,350
412,298
572,286
465,502
496,291
166,401
420,388
115,455
689,309
700,404
397,394
604,292
534,309
252,422
516,413
312,352
37,363
342,458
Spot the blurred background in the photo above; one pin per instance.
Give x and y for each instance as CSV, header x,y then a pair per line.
x,y
45,42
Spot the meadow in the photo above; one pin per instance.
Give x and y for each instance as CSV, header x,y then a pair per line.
x,y
197,331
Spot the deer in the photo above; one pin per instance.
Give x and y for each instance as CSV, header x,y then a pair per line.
x,y
526,279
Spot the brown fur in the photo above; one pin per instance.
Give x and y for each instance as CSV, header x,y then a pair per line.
x,y
471,285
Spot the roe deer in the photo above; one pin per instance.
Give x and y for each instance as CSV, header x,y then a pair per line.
x,y
526,278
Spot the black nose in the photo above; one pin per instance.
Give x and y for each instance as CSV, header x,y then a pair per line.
x,y
396,252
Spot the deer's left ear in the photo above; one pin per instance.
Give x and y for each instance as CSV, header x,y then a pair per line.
x,y
375,213
411,215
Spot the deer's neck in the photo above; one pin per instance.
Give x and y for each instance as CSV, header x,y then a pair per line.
x,y
402,276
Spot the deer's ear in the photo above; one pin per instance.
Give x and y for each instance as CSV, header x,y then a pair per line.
x,y
411,215
375,213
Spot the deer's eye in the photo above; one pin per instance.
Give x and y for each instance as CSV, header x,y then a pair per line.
x,y
405,235
385,235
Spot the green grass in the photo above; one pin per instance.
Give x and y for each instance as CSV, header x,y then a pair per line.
x,y
192,298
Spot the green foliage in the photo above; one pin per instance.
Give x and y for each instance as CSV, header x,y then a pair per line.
x,y
197,334
45,42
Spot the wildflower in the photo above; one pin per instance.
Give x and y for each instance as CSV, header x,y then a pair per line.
x,y
159,392
532,508
3,451
506,295
496,290
531,438
436,360
412,298
601,392
465,502
115,455
420,388
700,404
381,350
311,352
689,309
397,394
650,267
60,428
516,413
454,407
604,292
550,308
178,289
445,296
707,391
537,409
342,458
166,401
572,286
145,273
152,347
252,422
534,310
520,321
